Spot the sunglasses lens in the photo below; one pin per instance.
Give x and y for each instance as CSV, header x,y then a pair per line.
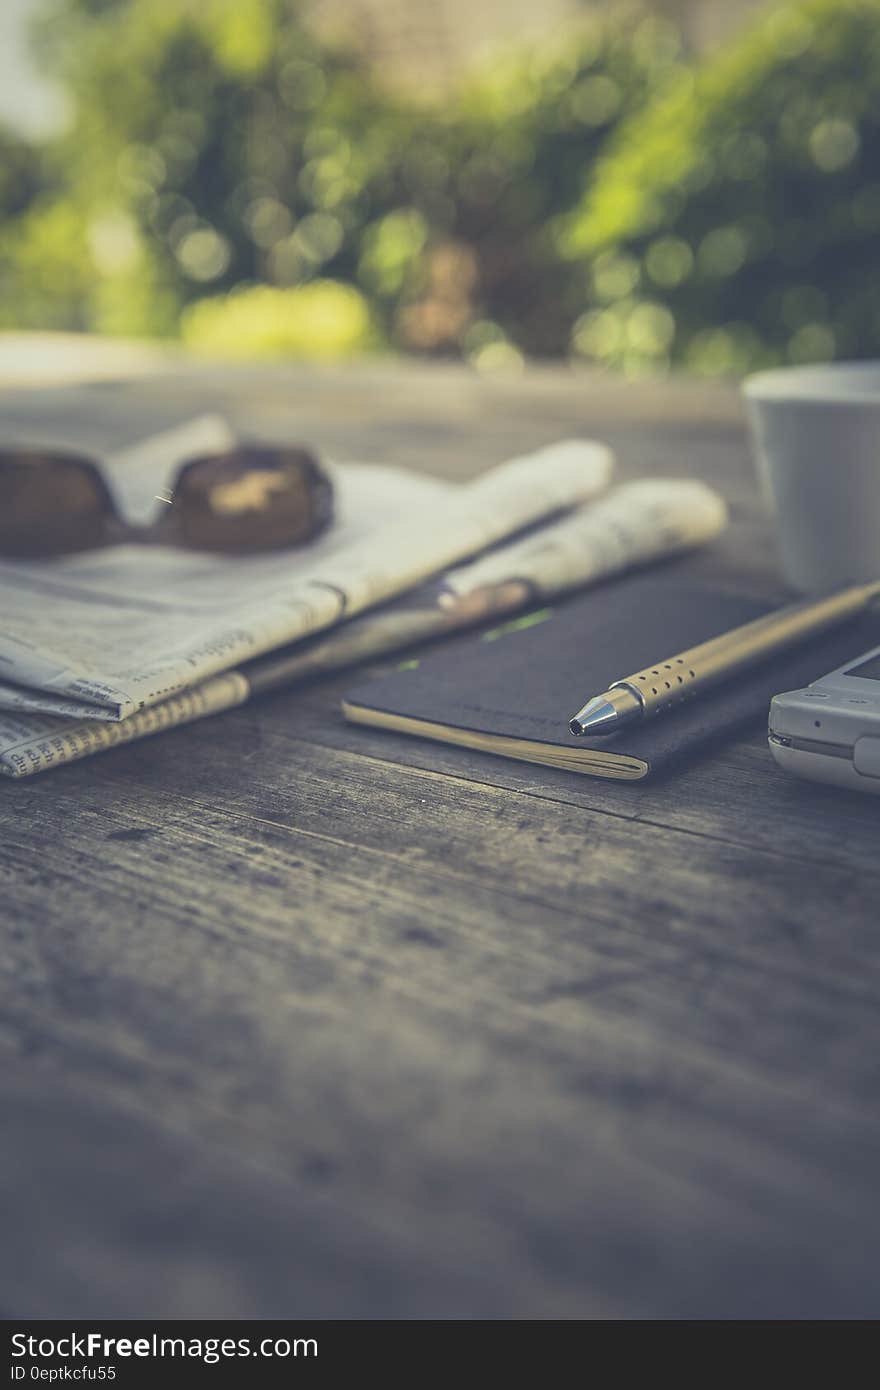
x,y
50,504
252,499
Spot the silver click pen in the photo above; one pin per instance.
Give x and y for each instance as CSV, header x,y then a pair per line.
x,y
666,684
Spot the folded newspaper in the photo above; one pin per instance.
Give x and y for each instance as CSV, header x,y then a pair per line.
x,y
100,648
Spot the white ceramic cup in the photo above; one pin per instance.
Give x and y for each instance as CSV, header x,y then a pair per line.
x,y
816,432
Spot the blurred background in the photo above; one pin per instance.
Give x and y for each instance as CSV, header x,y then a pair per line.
x,y
673,184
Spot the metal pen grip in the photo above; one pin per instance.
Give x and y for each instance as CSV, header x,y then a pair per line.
x,y
688,673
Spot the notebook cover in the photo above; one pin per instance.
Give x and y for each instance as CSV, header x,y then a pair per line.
x,y
524,680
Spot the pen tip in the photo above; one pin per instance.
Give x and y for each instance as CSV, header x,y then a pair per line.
x,y
598,716
606,713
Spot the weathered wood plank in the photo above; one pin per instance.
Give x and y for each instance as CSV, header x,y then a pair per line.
x,y
289,939
280,943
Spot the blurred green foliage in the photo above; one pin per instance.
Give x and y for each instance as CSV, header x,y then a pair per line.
x,y
229,177
520,152
734,223
321,319
220,145
20,175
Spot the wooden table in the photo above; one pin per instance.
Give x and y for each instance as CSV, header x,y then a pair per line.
x,y
301,1019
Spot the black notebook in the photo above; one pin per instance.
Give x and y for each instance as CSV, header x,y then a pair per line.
x,y
511,691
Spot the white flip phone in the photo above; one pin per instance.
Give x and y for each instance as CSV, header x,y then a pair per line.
x,y
830,731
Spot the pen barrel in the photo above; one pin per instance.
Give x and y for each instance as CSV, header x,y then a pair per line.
x,y
690,672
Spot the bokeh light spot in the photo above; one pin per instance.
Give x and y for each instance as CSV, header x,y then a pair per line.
x,y
669,261
833,145
203,254
722,251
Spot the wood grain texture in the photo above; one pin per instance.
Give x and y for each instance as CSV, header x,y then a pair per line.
x,y
298,1018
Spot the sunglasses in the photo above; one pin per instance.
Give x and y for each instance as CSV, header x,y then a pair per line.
x,y
249,499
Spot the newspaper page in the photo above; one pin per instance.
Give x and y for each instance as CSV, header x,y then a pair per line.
x,y
632,525
106,633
